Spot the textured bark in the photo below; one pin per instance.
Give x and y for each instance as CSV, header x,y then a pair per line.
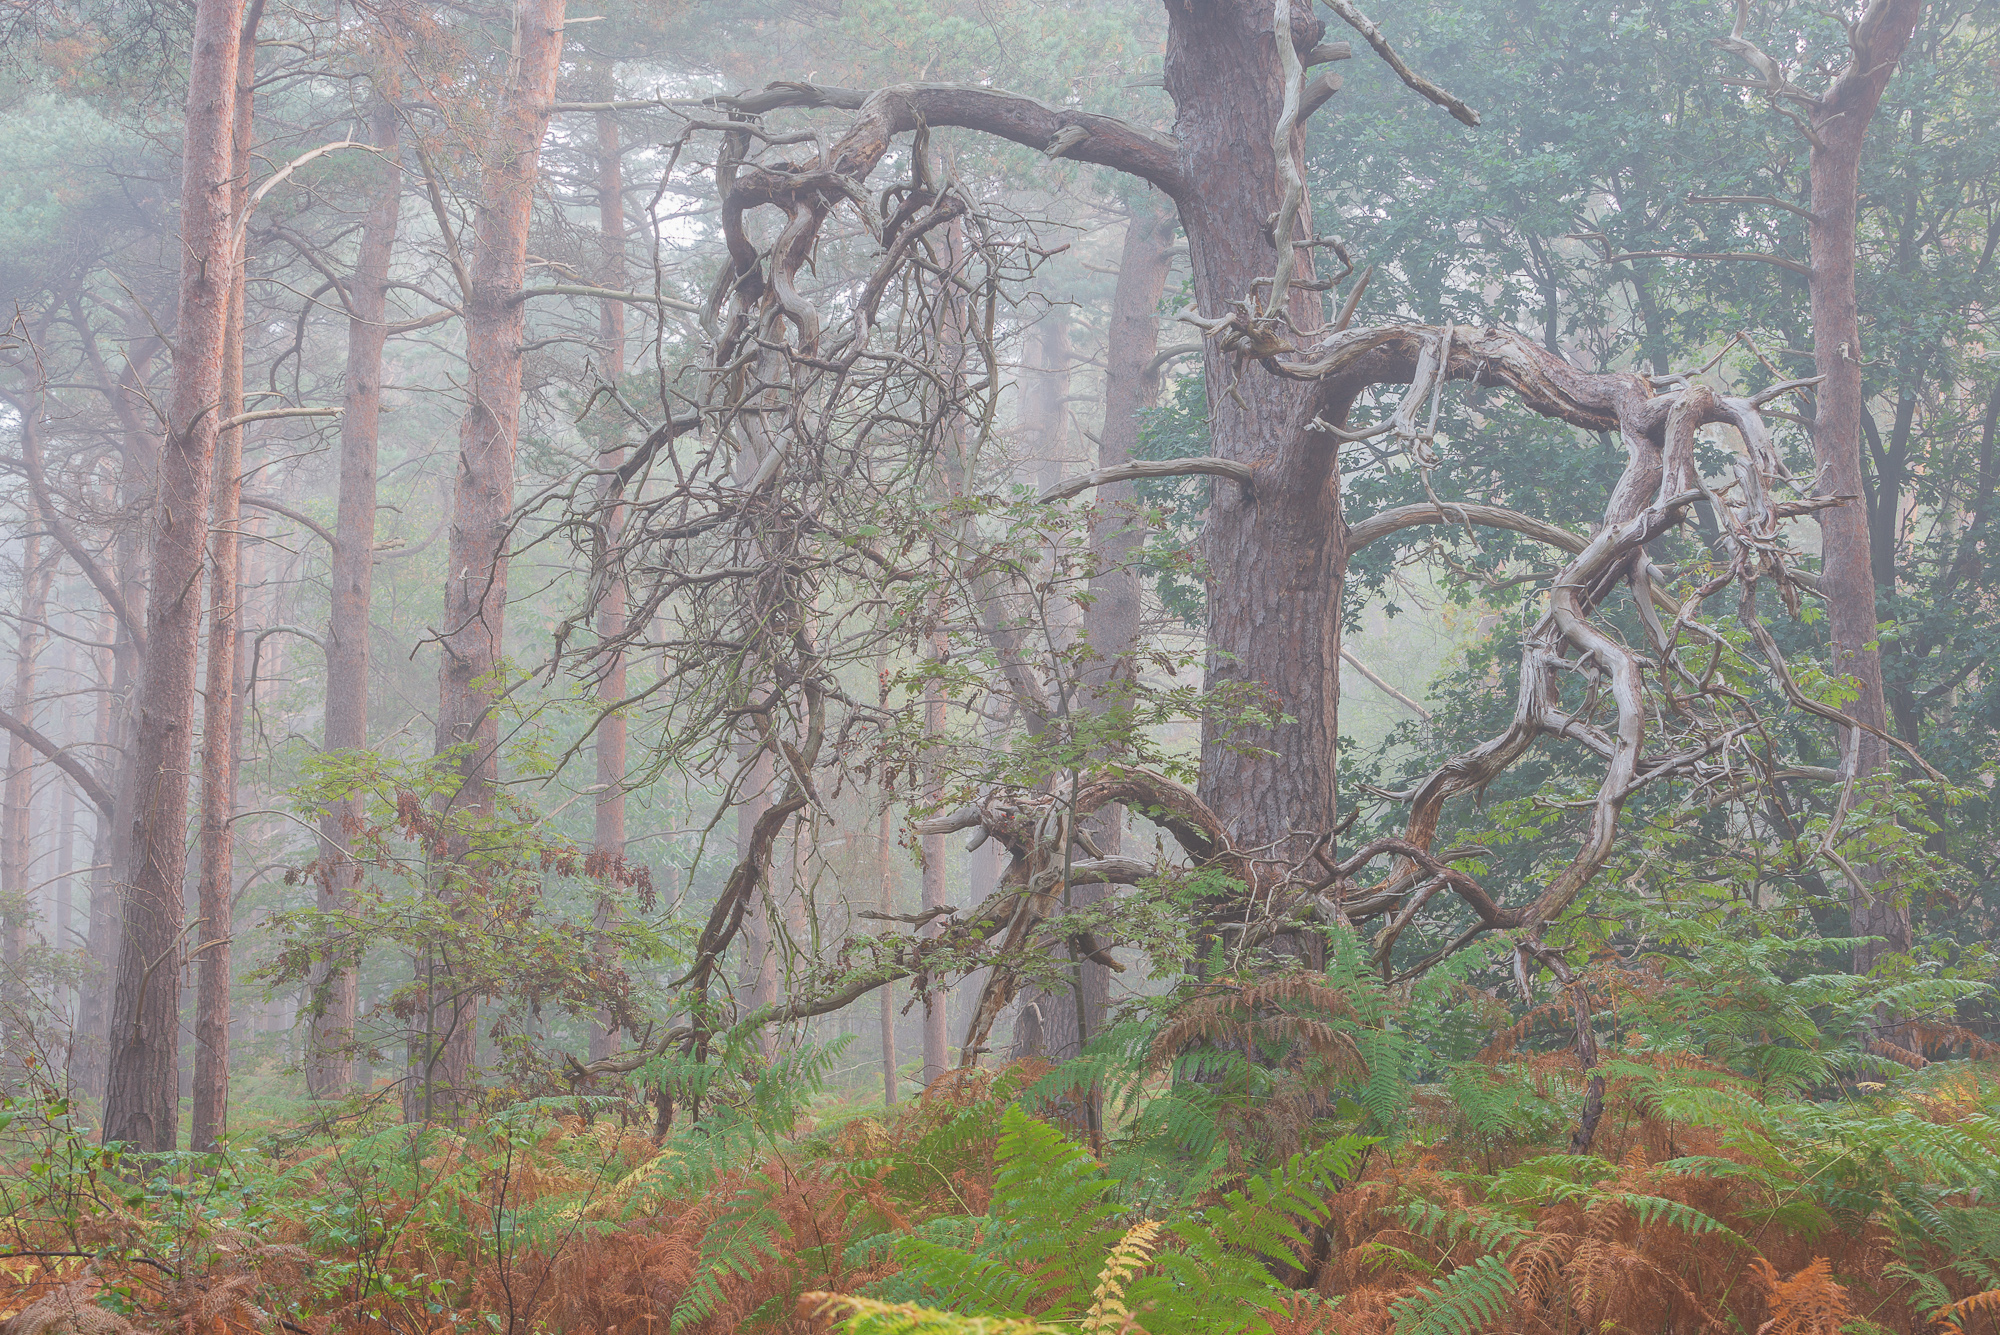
x,y
145,1032
475,595
208,1116
1273,550
330,1038
608,836
1840,121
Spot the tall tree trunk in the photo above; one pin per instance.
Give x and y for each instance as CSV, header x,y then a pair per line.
x,y
885,871
937,1054
1131,385
139,453
145,1031
1045,414
1055,1017
1274,551
608,837
214,895
16,908
100,953
1840,120
475,596
330,1040
65,915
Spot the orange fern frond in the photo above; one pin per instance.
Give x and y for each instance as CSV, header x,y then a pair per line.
x,y
1953,1316
1811,1302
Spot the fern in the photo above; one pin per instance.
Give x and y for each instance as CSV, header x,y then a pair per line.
x,y
1953,1316
1108,1314
870,1316
1467,1300
746,1235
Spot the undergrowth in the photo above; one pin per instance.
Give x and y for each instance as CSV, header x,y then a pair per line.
x,y
1298,1153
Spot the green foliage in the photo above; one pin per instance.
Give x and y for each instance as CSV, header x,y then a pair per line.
x,y
1461,1303
1057,1214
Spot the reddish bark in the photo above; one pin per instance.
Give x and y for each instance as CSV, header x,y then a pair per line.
x,y
209,1114
475,594
1840,120
139,1102
330,1039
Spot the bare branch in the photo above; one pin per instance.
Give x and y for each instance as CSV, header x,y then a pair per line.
x,y
1364,25
62,760
1205,465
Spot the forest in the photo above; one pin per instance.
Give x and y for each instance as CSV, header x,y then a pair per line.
x,y
999,667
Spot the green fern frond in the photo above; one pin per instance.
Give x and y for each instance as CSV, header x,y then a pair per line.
x,y
1466,1301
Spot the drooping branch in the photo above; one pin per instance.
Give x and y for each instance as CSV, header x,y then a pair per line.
x,y
107,588
62,760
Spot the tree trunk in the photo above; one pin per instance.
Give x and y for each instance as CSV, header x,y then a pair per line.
x,y
139,451
65,915
1131,385
330,1039
885,871
100,951
209,1115
608,837
1840,120
475,598
1275,562
1045,414
937,1054
139,1105
16,908
757,971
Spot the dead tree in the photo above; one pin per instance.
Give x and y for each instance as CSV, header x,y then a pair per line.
x,y
785,398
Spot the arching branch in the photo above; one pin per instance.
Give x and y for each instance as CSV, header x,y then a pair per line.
x,y
1143,468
